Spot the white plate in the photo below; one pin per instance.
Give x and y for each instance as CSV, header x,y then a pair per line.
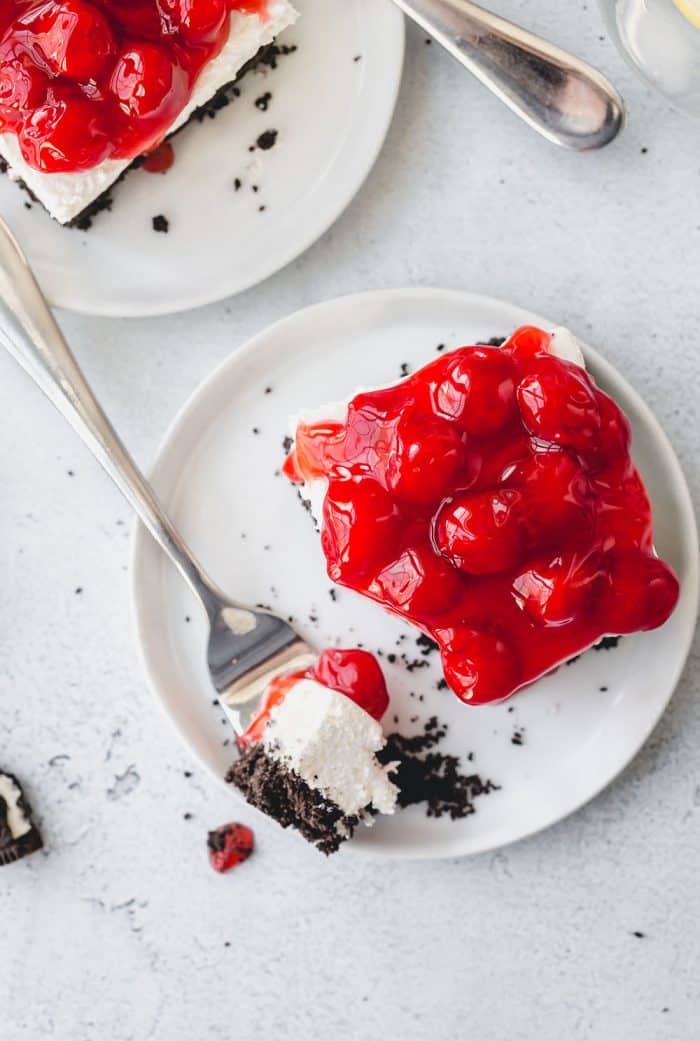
x,y
218,478
332,113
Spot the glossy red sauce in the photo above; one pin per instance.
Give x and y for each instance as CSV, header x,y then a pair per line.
x,y
490,499
354,673
81,81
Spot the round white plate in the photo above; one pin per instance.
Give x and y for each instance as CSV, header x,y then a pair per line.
x,y
217,473
332,101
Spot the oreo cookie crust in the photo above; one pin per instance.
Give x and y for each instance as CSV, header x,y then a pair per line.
x,y
19,836
280,793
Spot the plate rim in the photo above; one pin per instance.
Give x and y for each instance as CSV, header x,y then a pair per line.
x,y
393,60
141,539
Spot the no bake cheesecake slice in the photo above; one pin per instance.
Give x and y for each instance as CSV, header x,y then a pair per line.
x,y
87,87
490,499
309,759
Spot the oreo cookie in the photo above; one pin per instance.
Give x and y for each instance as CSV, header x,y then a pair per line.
x,y
19,835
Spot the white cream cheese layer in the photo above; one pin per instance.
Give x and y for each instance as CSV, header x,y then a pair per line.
x,y
65,195
18,824
331,743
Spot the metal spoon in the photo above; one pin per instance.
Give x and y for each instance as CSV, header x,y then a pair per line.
x,y
246,647
562,97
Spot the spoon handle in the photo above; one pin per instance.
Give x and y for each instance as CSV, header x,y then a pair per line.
x,y
29,332
563,98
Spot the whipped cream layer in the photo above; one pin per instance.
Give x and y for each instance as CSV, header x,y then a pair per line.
x,y
563,345
18,823
331,744
65,195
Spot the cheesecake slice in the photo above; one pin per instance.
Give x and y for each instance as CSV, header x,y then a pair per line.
x,y
491,500
88,88
309,759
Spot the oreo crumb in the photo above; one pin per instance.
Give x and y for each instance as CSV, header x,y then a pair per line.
x,y
495,341
424,775
607,643
602,690
237,184
442,684
187,816
440,348
391,658
518,737
405,369
256,430
161,223
333,595
268,390
187,773
78,590
644,150
263,102
267,140
358,57
639,935
426,645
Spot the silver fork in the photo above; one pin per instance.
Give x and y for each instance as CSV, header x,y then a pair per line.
x,y
560,96
246,647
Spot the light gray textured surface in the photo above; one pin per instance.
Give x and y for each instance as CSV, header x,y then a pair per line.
x,y
119,931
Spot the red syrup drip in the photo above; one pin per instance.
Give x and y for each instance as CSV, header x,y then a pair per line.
x,y
491,500
82,82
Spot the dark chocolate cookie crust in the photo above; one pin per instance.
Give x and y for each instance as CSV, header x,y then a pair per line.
x,y
272,787
11,848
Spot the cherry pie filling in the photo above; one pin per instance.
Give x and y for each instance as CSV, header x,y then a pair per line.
x,y
491,500
82,81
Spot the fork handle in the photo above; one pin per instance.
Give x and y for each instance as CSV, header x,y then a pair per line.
x,y
31,335
562,97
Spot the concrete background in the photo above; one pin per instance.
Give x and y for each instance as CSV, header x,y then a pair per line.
x,y
120,930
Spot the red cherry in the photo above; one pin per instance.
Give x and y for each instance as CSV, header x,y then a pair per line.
x,y
479,666
75,39
428,461
64,135
477,391
140,19
147,83
229,846
361,528
558,404
557,498
419,583
481,533
559,591
611,449
643,592
23,88
527,342
356,674
198,21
